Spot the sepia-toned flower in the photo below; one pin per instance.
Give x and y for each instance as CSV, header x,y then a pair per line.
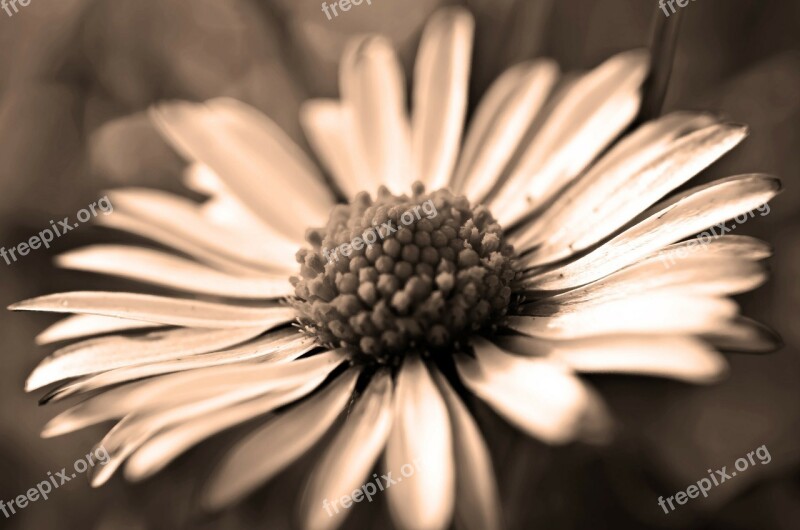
x,y
542,261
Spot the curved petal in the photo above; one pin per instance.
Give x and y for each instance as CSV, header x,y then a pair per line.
x,y
78,326
441,82
691,275
670,221
613,170
182,388
372,85
271,448
477,495
155,454
587,116
206,249
500,123
693,154
225,210
332,133
136,429
159,268
421,437
133,431
745,335
256,160
281,346
677,357
722,266
608,197
107,353
184,218
489,107
719,247
539,396
661,312
159,309
350,457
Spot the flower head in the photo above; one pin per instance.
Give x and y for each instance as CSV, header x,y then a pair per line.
x,y
504,265
419,287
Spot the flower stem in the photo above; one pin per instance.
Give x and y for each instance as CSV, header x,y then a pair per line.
x,y
663,42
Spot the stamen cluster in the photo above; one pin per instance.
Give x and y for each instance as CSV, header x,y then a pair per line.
x,y
401,274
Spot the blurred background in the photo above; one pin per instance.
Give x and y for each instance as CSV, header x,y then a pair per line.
x,y
75,78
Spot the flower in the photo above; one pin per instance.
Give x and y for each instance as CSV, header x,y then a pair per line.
x,y
541,262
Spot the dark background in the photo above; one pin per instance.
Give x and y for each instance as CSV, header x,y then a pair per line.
x,y
75,76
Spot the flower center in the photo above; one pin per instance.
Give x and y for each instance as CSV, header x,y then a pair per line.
x,y
402,274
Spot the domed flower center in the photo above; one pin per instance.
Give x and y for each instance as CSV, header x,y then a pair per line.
x,y
401,274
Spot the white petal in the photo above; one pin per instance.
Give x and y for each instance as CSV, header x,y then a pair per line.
x,y
676,357
441,82
616,167
719,247
539,396
281,346
587,116
200,178
421,437
257,161
477,495
661,312
163,448
502,118
224,209
107,353
615,191
349,458
134,430
373,92
206,249
271,448
667,222
746,336
489,107
77,326
114,404
332,134
174,390
158,309
713,275
692,154
151,266
184,218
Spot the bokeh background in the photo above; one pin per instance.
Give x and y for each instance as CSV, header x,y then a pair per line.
x,y
75,78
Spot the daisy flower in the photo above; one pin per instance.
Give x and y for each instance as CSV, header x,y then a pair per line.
x,y
538,260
